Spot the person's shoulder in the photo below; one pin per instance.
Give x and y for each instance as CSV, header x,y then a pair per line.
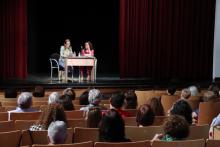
x,y
62,47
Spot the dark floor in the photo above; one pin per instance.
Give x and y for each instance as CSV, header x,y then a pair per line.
x,y
103,80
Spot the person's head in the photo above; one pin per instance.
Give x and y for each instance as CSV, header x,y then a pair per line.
x,y
193,90
38,91
53,98
156,106
171,90
130,100
57,132
215,89
10,93
117,100
145,115
70,92
53,112
94,97
209,96
67,43
66,102
176,127
111,127
185,93
182,107
24,100
83,98
93,117
88,45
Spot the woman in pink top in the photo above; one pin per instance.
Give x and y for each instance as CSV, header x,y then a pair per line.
x,y
87,51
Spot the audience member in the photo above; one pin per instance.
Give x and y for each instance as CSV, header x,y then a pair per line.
x,y
53,98
57,132
185,93
175,128
70,92
116,102
24,103
39,91
83,98
66,102
171,90
94,100
182,107
112,127
156,106
130,100
52,113
194,90
145,116
93,117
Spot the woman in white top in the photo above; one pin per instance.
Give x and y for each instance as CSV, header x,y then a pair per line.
x,y
65,51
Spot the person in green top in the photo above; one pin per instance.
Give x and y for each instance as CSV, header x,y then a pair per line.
x,y
175,128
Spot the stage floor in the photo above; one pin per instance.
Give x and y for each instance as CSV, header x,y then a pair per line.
x,y
102,81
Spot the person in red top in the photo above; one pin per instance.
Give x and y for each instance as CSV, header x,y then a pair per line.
x,y
88,51
116,102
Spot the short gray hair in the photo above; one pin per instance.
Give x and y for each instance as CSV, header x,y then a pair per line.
x,y
57,132
24,100
194,90
94,96
53,98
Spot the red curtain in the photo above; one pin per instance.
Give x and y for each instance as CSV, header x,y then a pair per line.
x,y
165,39
13,39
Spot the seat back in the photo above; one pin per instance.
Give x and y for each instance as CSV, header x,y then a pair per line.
x,y
212,143
9,103
183,143
208,111
25,115
6,126
10,139
75,114
159,120
86,134
130,121
198,132
72,123
24,124
216,132
167,101
40,137
142,133
144,97
3,116
123,144
83,144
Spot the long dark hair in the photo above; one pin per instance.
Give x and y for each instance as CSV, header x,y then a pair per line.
x,y
112,127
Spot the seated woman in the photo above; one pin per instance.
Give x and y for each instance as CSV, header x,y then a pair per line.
x,y
93,117
87,51
156,106
130,100
175,128
112,127
52,113
145,116
65,51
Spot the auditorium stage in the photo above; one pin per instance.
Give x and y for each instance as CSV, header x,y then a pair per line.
x,y
102,81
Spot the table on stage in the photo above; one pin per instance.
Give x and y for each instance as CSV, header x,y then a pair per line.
x,y
81,61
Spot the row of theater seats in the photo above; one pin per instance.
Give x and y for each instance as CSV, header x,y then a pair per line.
x,y
26,138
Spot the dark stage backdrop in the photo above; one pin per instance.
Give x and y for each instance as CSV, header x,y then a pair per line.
x,y
166,39
52,21
13,39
